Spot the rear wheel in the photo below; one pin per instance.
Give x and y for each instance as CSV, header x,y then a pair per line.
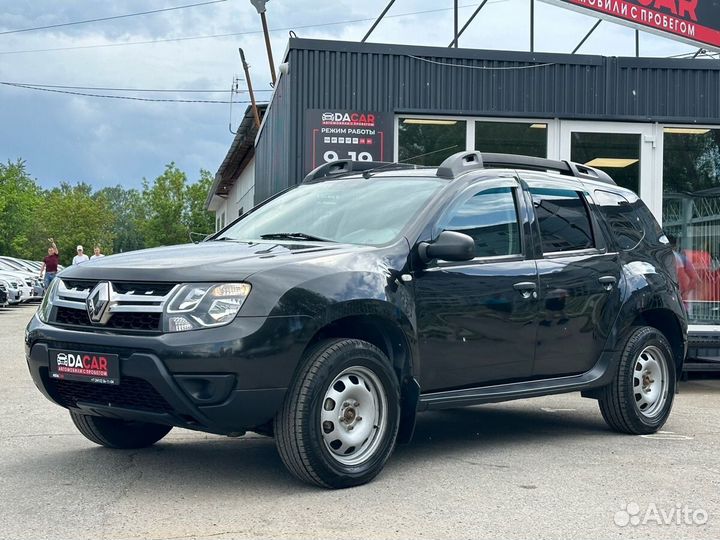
x,y
640,398
339,421
113,433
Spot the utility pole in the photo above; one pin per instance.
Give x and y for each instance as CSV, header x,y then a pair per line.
x,y
250,88
260,7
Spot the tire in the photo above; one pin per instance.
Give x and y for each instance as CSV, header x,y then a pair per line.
x,y
640,398
113,433
320,432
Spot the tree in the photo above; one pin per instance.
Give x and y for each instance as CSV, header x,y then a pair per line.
x,y
72,215
19,196
163,205
127,205
197,218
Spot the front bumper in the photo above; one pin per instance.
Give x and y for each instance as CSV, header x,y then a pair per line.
x,y
221,380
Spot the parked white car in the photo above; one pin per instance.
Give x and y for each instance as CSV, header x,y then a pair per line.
x,y
13,287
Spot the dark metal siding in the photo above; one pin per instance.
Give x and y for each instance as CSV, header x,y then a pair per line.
x,y
378,77
273,167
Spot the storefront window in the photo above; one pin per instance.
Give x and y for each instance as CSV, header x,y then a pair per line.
x,y
618,154
428,141
528,139
691,216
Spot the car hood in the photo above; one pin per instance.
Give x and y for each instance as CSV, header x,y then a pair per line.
x,y
207,261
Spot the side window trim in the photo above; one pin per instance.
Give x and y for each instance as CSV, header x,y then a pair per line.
x,y
598,244
471,191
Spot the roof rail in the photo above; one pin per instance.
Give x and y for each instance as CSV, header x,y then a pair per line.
x,y
347,166
462,162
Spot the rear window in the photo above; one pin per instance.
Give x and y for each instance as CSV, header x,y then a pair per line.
x,y
563,219
622,217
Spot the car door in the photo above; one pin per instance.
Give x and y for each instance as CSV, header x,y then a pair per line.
x,y
477,319
578,280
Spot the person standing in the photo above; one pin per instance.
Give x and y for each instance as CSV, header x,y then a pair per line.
x,y
80,257
50,264
96,253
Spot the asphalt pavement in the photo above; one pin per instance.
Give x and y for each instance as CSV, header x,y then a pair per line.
x,y
538,468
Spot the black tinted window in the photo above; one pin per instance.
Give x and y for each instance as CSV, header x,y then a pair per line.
x,y
624,222
490,218
563,219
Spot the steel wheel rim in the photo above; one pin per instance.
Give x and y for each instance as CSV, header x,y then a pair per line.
x,y
650,381
353,415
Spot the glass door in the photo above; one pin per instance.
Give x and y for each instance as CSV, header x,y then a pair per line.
x,y
629,153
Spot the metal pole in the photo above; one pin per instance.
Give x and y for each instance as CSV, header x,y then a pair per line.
x,y
698,53
455,30
250,88
460,33
532,25
377,21
583,40
267,46
637,43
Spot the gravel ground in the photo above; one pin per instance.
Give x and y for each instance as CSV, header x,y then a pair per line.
x,y
538,468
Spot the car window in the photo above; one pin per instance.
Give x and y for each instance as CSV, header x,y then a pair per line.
x,y
490,218
366,211
563,219
622,218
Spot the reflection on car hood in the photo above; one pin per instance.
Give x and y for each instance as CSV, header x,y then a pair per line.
x,y
207,261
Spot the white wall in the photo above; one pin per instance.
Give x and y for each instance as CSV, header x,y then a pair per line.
x,y
240,198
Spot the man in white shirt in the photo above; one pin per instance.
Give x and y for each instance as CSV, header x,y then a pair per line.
x,y
96,253
80,257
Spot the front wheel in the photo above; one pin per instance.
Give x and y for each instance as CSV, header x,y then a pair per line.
x,y
113,433
340,418
640,398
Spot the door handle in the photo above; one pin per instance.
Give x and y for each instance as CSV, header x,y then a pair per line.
x,y
608,282
528,289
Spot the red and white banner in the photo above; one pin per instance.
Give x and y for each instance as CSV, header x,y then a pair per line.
x,y
693,21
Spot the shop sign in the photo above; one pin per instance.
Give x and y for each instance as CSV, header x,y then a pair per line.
x,y
692,21
358,135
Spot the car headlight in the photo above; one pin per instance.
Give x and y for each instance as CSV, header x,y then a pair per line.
x,y
43,311
196,306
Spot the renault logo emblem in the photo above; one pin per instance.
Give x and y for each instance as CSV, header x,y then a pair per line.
x,y
98,301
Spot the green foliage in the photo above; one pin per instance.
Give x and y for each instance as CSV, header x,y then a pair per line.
x,y
72,216
19,196
199,221
164,212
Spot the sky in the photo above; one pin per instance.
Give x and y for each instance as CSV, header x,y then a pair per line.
x,y
107,142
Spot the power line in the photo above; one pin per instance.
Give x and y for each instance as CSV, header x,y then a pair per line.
x,y
112,89
234,34
109,18
109,89
486,68
107,96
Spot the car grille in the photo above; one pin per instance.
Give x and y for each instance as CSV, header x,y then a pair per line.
x,y
134,306
147,322
131,393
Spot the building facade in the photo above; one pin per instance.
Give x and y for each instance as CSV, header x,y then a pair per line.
x,y
652,124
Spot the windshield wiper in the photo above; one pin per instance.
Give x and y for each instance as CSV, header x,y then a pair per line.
x,y
293,236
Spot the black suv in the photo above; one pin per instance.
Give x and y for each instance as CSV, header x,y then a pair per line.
x,y
330,314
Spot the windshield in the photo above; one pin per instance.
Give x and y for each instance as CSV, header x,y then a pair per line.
x,y
370,211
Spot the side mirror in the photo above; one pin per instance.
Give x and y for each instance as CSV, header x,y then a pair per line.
x,y
449,246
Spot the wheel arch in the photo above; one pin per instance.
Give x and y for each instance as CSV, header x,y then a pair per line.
x,y
392,339
666,322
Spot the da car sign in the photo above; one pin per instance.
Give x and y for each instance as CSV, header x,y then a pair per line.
x,y
345,134
692,21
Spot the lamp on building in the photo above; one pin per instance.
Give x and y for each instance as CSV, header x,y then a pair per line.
x,y
260,7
